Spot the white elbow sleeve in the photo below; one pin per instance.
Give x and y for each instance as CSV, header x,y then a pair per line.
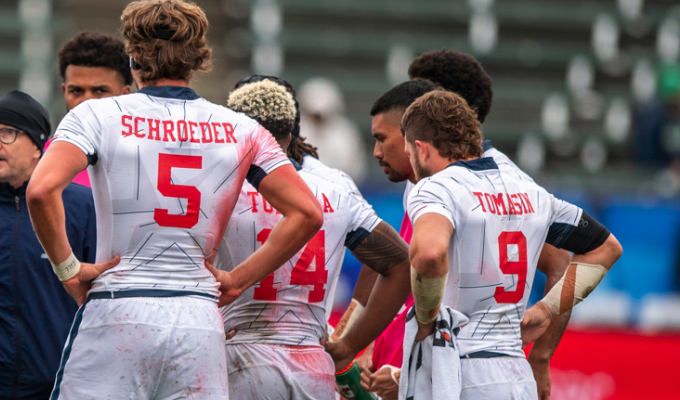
x,y
576,284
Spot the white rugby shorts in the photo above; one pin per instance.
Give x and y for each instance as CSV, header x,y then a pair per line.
x,y
268,372
144,348
495,378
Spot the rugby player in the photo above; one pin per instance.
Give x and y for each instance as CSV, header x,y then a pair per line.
x,y
166,167
478,229
446,67
93,65
280,322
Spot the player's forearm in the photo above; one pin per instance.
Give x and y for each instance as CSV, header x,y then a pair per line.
x,y
365,284
584,273
46,208
389,294
362,291
286,239
544,348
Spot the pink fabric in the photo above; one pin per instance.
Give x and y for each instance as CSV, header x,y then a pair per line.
x,y
388,347
82,178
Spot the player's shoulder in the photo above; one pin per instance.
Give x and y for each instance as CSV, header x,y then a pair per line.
x,y
334,175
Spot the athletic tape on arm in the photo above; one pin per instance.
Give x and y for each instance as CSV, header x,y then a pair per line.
x,y
350,316
576,284
67,269
427,295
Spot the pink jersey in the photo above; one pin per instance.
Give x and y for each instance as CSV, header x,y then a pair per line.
x,y
166,168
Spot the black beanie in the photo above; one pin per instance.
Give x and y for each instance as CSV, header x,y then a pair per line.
x,y
23,112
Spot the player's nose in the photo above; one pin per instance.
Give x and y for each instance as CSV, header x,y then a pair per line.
x,y
377,151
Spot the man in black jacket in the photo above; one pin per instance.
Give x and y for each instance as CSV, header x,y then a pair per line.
x,y
35,310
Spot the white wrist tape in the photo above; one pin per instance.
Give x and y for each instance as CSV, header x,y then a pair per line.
x,y
394,372
576,284
427,295
350,316
67,269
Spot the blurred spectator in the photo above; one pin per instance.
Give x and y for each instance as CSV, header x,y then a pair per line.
x,y
323,123
35,310
93,65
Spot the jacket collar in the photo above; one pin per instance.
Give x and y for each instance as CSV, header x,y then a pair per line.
x,y
478,164
171,92
7,190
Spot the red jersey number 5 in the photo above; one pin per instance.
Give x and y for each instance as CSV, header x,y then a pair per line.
x,y
166,162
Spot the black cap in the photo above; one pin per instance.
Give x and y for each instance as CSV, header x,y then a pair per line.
x,y
259,77
23,112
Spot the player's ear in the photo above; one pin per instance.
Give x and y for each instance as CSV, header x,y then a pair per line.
x,y
127,89
422,148
63,88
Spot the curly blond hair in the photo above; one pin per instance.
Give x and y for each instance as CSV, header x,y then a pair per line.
x,y
445,120
177,56
268,103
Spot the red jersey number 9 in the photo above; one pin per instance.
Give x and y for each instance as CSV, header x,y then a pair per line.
x,y
166,162
518,266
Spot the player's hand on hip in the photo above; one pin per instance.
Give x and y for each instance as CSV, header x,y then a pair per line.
x,y
78,286
384,385
541,371
424,330
229,290
340,352
536,321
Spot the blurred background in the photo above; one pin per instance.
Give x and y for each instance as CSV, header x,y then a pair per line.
x,y
587,101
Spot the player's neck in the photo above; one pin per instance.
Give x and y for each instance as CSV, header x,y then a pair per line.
x,y
165,82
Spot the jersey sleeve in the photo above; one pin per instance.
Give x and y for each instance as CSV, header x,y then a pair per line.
x,y
364,220
430,197
564,219
267,156
81,128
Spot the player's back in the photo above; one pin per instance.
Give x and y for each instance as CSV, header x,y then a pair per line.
x,y
500,224
166,171
291,305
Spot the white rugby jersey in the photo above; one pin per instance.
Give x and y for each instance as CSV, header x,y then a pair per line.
x,y
489,151
291,305
501,222
166,170
313,165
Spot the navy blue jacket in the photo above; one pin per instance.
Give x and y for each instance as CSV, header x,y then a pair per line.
x,y
35,311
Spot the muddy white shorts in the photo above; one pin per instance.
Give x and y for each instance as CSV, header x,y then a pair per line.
x,y
268,372
144,348
497,378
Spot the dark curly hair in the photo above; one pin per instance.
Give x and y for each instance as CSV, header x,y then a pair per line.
x,y
95,49
401,96
445,120
458,73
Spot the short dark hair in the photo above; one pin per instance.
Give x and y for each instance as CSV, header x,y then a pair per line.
x,y
95,49
445,120
458,73
401,96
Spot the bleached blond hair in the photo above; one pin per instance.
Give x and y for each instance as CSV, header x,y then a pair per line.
x,y
268,103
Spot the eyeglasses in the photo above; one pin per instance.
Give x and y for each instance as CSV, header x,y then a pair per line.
x,y
9,135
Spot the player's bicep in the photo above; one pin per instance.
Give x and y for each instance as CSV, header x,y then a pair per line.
x,y
382,249
431,237
581,238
